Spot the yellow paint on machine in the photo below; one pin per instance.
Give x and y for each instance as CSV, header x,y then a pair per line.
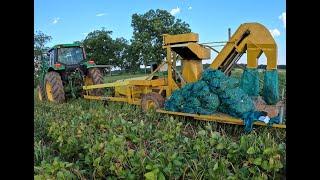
x,y
251,38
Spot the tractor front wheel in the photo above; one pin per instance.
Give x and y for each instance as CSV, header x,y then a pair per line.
x,y
151,101
54,87
94,77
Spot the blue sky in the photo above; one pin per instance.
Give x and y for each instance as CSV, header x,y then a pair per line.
x,y
71,20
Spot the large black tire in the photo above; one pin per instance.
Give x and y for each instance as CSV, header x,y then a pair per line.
x,y
40,93
54,87
94,77
156,99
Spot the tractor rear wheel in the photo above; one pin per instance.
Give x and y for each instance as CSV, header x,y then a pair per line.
x,y
151,101
54,87
40,91
94,77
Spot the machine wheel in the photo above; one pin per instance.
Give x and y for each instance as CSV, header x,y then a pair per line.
x,y
151,101
93,77
54,87
40,91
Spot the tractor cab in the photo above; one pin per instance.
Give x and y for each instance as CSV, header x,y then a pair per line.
x,y
67,56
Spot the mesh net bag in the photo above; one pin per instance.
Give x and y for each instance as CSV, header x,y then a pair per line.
x,y
270,88
250,81
193,98
235,102
217,81
215,92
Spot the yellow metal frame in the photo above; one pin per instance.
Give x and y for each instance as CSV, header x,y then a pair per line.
x,y
180,38
131,90
128,91
257,41
192,70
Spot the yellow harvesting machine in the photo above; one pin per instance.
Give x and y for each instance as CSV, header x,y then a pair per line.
x,y
151,91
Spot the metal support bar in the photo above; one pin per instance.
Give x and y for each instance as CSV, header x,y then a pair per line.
x,y
134,101
97,86
156,70
211,48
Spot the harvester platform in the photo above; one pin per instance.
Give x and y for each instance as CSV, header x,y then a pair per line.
x,y
218,117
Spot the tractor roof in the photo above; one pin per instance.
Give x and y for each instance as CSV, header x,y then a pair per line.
x,y
66,45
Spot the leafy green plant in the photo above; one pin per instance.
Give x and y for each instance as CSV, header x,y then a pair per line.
x,y
85,140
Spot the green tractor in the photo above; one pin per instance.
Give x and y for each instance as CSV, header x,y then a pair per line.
x,y
65,70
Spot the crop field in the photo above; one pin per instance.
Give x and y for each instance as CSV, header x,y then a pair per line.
x,y
84,139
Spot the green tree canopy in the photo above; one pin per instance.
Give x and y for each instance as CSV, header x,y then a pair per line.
x,y
104,50
148,29
120,46
40,40
99,46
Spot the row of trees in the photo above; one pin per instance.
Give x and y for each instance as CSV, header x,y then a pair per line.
x,y
144,47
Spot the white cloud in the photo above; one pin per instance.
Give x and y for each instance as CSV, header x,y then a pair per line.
x,y
275,32
85,34
55,20
282,17
189,8
175,11
100,14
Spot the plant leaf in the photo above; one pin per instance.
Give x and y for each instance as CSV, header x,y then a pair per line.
x,y
257,161
220,146
251,150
